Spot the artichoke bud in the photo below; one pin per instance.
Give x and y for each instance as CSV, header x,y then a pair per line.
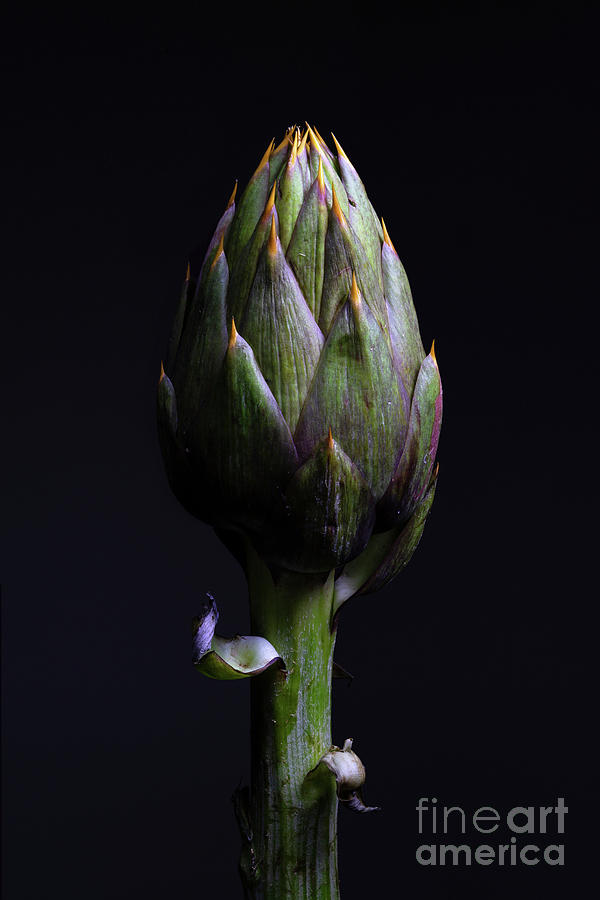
x,y
298,407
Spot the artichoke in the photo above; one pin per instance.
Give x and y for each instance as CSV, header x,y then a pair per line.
x,y
298,408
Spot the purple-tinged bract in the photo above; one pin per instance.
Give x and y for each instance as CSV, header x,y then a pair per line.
x,y
298,408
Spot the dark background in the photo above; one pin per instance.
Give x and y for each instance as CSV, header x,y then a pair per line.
x,y
472,128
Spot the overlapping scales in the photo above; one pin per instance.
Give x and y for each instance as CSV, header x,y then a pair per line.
x,y
299,404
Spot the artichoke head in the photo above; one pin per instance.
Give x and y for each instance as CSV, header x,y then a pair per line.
x,y
298,407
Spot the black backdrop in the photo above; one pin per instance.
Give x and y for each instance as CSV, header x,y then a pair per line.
x,y
472,128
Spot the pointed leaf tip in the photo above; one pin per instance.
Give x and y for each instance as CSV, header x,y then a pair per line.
x,y
314,139
280,146
187,273
337,211
270,203
387,238
432,352
321,140
293,151
232,334
354,294
219,251
231,200
338,147
265,158
320,179
303,141
162,372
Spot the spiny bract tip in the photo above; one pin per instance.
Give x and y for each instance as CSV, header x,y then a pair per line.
x,y
265,158
219,252
232,198
270,203
303,140
285,141
232,334
335,206
314,140
354,293
320,179
321,140
338,147
387,238
293,151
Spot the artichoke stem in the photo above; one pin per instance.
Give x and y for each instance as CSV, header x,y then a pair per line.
x,y
294,831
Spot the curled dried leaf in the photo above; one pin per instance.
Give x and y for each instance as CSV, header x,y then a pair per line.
x,y
228,659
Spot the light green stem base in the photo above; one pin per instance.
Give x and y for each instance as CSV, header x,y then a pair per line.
x,y
294,832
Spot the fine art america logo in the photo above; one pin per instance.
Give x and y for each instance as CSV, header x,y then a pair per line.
x,y
542,821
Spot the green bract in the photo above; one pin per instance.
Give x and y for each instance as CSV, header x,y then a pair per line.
x,y
298,407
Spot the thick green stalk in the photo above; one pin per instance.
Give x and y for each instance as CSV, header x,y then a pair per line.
x,y
294,829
